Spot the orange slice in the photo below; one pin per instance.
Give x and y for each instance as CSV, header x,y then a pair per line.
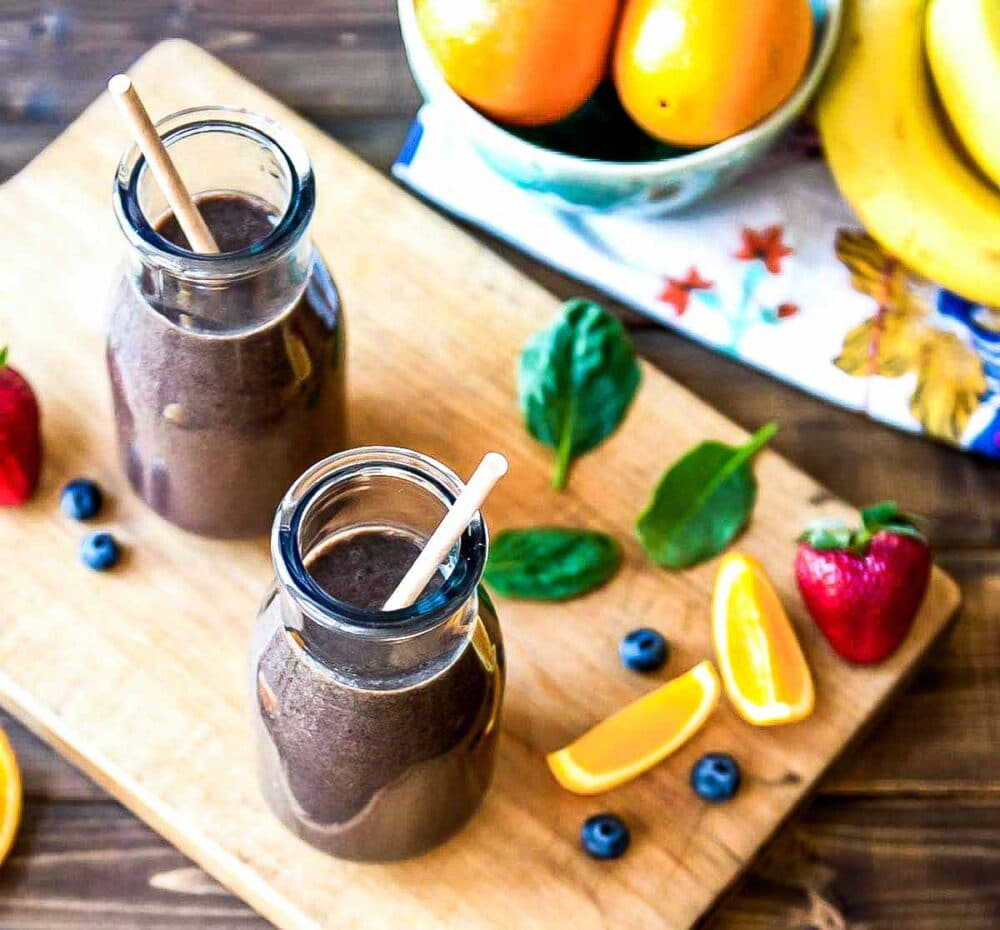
x,y
10,796
763,668
639,735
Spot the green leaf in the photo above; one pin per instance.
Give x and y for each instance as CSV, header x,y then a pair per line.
x,y
576,380
550,563
887,516
828,534
878,515
702,502
878,518
3,357
902,528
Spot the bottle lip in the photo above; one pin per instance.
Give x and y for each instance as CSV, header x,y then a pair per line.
x,y
139,231
424,614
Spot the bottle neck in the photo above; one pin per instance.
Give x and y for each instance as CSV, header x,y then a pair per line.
x,y
224,305
387,489
245,159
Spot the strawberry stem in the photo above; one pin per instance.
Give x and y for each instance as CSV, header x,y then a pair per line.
x,y
884,517
3,356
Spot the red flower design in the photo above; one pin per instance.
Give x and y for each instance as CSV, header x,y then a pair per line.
x,y
765,245
677,291
786,310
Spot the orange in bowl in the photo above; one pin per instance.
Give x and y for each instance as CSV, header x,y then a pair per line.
x,y
10,796
763,668
695,72
523,62
638,736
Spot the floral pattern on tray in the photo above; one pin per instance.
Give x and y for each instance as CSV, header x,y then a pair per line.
x,y
775,271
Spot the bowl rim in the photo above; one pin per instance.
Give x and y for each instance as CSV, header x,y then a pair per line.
x,y
427,72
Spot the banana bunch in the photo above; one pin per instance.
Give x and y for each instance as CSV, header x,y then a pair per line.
x,y
922,176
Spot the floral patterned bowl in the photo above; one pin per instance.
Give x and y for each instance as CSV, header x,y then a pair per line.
x,y
649,187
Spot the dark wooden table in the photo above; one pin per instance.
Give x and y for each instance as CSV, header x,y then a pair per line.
x,y
905,834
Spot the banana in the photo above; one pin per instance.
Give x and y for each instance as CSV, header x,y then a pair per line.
x,y
892,158
963,49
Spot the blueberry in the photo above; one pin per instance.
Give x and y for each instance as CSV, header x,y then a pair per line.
x,y
99,551
716,776
81,499
604,836
643,650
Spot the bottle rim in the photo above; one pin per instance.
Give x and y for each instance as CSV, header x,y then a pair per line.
x,y
154,248
425,614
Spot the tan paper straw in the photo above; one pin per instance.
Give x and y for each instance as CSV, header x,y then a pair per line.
x,y
491,469
124,94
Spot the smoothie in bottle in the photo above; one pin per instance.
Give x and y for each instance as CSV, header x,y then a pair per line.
x,y
376,730
227,370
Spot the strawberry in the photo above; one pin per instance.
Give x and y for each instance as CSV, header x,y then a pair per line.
x,y
20,439
863,586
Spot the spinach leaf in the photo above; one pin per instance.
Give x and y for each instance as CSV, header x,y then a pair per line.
x,y
575,381
702,502
550,563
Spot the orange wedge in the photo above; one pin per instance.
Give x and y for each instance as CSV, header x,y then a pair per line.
x,y
10,796
639,735
763,668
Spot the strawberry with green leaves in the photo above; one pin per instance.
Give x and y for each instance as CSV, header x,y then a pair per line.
x,y
863,586
20,439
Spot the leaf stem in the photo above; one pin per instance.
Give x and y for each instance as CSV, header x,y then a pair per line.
x,y
759,439
564,452
563,456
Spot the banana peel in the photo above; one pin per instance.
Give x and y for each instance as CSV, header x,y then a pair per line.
x,y
963,51
892,158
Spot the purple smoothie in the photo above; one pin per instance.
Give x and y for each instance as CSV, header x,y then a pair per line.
x,y
369,774
220,400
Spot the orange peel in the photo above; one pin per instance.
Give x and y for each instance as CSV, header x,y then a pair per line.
x,y
763,668
639,735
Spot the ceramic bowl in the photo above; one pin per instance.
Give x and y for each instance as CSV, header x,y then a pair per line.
x,y
656,186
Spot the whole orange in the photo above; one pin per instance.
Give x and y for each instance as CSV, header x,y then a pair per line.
x,y
526,62
694,72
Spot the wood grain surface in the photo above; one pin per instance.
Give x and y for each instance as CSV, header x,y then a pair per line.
x,y
150,700
937,749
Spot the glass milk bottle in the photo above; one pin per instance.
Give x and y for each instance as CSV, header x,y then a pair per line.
x,y
227,370
376,731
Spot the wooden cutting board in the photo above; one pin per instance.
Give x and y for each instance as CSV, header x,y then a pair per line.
x,y
138,676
